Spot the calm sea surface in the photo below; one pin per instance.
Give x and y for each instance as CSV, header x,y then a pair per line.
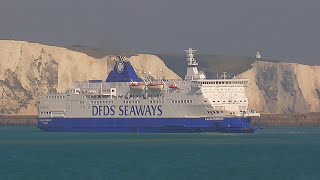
x,y
271,153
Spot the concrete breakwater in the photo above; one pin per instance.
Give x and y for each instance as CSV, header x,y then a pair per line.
x,y
310,119
18,120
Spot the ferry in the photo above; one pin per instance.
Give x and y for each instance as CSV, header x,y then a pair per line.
x,y
124,102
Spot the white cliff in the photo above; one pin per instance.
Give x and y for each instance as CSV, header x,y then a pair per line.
x,y
30,70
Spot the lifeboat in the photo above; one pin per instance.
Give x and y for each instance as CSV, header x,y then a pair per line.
x,y
137,86
155,86
173,86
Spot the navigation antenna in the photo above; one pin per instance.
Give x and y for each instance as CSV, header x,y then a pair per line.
x,y
190,54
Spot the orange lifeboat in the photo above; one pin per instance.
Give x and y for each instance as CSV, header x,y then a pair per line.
x,y
137,86
155,86
173,86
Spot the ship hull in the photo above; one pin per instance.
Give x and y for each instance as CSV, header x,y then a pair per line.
x,y
146,125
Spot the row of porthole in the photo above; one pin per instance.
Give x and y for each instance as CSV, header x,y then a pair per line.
x,y
101,102
231,101
214,112
222,89
45,112
55,97
129,102
156,101
221,82
181,101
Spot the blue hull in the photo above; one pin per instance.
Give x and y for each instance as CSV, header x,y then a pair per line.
x,y
144,125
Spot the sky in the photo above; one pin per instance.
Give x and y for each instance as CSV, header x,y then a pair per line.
x,y
280,29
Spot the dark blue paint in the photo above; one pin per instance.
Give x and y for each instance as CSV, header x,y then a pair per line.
x,y
146,125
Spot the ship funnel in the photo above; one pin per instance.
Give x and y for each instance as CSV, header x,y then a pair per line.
x,y
123,72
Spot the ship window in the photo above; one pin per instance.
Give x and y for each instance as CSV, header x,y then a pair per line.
x,y
235,101
240,100
218,101
245,101
191,101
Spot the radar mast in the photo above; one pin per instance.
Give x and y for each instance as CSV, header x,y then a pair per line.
x,y
192,71
190,57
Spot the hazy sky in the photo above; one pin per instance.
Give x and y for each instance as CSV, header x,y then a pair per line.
x,y
281,29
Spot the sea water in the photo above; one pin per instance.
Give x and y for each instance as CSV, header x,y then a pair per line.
x,y
271,153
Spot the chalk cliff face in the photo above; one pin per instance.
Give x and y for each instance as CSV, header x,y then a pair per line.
x,y
283,87
30,70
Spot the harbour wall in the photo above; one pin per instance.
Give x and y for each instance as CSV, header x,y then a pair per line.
x,y
18,120
309,119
